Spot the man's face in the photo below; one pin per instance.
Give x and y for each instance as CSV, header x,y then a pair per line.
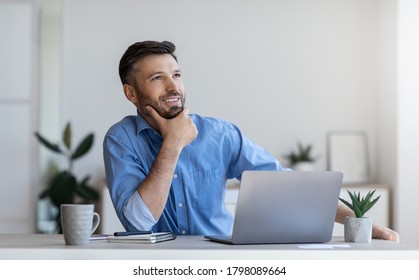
x,y
158,83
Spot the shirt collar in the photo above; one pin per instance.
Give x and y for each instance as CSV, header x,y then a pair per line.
x,y
142,124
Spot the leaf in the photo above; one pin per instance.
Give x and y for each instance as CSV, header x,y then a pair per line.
x,y
44,194
356,205
83,147
365,202
67,136
372,203
62,188
346,203
353,197
360,205
86,191
358,211
53,147
303,153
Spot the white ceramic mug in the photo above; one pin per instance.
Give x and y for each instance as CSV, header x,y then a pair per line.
x,y
78,221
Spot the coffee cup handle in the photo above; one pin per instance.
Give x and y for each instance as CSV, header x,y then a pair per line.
x,y
96,221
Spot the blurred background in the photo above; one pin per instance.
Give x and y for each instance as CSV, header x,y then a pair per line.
x,y
284,71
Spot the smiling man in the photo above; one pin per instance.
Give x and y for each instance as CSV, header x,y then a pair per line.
x,y
166,169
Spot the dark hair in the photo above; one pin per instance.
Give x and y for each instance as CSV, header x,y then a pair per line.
x,y
128,62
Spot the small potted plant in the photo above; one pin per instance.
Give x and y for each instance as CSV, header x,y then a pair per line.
x,y
64,187
359,228
301,160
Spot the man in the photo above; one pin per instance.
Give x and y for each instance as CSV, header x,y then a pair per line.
x,y
167,170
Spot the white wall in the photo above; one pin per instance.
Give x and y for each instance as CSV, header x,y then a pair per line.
x,y
386,98
408,116
18,104
397,101
284,71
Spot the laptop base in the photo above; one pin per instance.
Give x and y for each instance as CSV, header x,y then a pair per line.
x,y
221,239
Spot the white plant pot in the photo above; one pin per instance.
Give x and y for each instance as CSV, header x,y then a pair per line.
x,y
303,166
358,230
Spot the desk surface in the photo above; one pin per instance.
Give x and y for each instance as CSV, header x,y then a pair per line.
x,y
52,246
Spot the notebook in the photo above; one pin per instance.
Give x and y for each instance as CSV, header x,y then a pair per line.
x,y
155,237
285,207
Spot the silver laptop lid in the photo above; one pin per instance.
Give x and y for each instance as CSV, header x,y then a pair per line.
x,y
286,207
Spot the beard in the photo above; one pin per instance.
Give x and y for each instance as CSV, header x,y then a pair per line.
x,y
170,113
167,114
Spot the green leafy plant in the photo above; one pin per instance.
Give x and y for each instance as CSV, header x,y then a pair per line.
x,y
303,154
360,205
63,187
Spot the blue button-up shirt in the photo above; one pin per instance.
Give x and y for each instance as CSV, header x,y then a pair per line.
x,y
195,204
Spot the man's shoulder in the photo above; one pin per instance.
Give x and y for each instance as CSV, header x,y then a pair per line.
x,y
125,125
215,128
213,122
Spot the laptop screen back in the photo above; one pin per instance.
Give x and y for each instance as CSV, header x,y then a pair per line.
x,y
286,207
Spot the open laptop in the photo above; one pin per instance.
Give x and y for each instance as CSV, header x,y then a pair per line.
x,y
285,207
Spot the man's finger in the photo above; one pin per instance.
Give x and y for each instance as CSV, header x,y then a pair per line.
x,y
185,111
380,232
153,113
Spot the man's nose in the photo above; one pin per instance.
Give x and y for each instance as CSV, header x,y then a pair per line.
x,y
172,85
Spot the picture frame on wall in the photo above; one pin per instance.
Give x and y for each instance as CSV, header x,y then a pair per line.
x,y
348,153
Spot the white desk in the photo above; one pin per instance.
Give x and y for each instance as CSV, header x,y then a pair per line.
x,y
47,246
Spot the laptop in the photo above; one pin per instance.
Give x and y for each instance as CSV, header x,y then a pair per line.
x,y
285,207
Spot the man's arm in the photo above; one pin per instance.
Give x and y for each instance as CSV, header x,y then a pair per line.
x,y
378,232
177,133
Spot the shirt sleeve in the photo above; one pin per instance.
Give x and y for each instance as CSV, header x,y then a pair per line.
x,y
123,176
243,154
138,214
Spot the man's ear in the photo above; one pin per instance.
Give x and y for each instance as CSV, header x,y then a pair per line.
x,y
130,93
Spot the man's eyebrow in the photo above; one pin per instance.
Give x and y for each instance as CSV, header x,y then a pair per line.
x,y
154,73
177,71
162,72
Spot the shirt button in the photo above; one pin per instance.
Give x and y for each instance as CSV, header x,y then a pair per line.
x,y
180,204
175,176
183,231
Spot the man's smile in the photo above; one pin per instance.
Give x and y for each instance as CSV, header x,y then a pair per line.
x,y
172,101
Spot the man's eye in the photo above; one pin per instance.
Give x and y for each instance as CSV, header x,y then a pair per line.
x,y
177,75
155,78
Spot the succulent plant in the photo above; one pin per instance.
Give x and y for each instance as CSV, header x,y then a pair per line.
x,y
360,205
303,153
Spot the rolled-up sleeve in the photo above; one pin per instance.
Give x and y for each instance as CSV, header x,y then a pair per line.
x,y
124,174
138,214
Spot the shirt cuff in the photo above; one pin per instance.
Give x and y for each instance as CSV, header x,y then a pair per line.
x,y
138,214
